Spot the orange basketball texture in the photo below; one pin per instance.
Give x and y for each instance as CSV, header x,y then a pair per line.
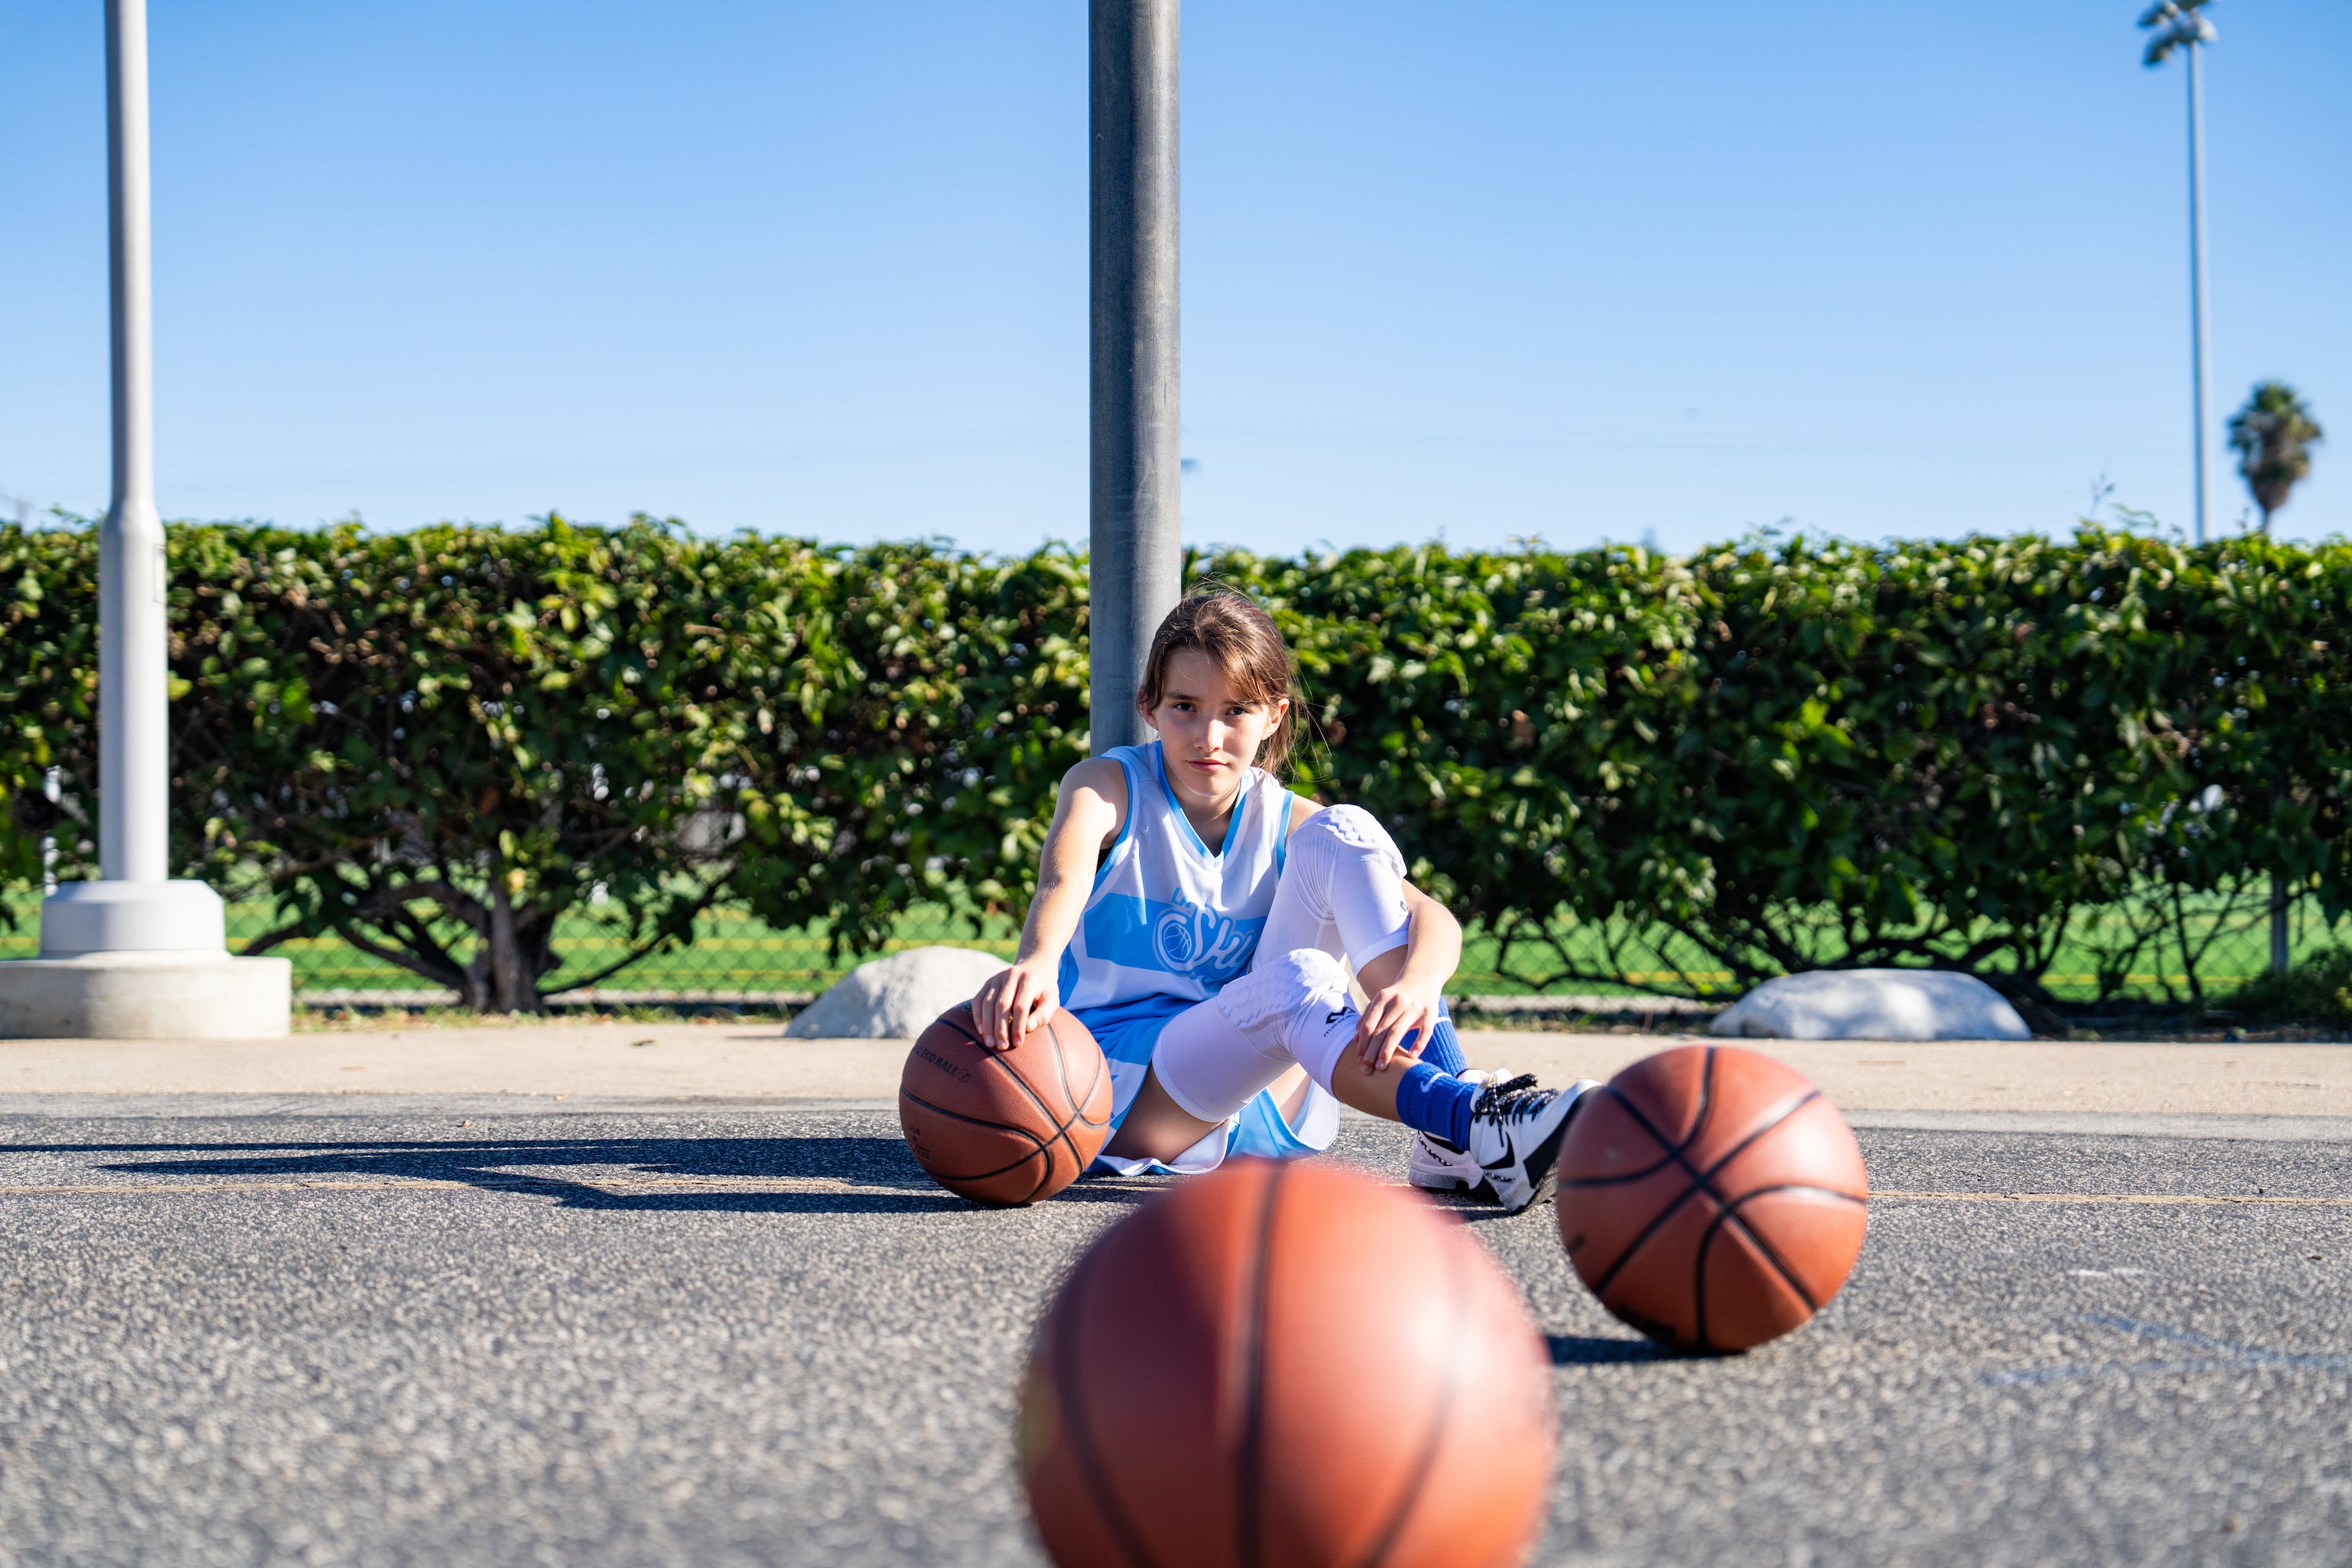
x,y
1286,1364
1711,1197
1004,1128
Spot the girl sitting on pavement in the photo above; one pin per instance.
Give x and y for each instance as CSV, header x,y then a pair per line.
x,y
1214,977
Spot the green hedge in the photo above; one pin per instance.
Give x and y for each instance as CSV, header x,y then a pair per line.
x,y
436,743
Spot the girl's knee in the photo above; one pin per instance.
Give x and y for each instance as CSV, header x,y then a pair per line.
x,y
1302,979
1342,832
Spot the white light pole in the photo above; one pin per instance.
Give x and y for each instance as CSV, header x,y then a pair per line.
x,y
2180,24
134,743
135,953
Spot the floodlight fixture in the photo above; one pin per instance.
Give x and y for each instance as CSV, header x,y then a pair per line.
x,y
2178,23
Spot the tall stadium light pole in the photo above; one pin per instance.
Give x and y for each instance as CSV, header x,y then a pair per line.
x,y
1136,555
134,715
135,953
2180,24
133,908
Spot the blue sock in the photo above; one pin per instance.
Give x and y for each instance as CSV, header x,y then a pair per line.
x,y
1437,1103
1443,1051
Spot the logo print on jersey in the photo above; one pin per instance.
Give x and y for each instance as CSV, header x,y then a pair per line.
x,y
1187,937
1179,938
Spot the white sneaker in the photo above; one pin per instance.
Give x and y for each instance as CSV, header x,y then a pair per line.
x,y
1435,1163
1514,1132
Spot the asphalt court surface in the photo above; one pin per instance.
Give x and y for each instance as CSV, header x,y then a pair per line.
x,y
761,1336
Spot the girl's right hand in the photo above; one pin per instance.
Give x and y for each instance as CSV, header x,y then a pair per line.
x,y
1014,1001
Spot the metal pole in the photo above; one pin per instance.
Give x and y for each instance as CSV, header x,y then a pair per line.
x,y
133,748
133,908
1135,545
2197,273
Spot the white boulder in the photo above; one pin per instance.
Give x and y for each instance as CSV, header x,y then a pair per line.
x,y
895,997
1873,1004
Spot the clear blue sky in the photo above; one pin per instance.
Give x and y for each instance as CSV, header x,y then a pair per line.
x,y
1482,269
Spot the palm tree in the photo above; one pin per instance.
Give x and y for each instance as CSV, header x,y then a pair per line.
x,y
2273,433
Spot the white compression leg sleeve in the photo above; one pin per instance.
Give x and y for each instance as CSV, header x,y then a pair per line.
x,y
1342,895
1343,891
1214,1058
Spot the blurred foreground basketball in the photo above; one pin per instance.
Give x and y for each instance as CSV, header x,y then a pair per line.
x,y
1011,1127
1286,1364
1711,1197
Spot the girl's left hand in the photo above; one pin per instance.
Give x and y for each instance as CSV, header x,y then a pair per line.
x,y
1393,1014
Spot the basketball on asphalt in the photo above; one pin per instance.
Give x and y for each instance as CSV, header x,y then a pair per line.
x,y
1288,1363
1004,1128
1711,1197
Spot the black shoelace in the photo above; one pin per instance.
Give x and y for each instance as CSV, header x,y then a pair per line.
x,y
1513,1099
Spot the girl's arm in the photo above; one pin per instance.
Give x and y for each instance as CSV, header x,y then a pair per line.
x,y
1402,985
1087,816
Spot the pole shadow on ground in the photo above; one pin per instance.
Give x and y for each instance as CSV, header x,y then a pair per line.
x,y
861,1175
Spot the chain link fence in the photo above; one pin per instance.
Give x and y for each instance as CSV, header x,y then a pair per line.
x,y
2163,949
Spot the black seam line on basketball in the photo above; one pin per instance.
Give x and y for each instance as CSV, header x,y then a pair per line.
x,y
1102,1066
1708,1176
1673,1157
1657,1137
1248,1457
1705,1182
1706,1102
1061,1128
1701,1181
1659,1218
1066,1393
1732,1216
1699,1282
1077,1105
1698,1122
1729,1214
1440,1420
1043,1148
1608,1276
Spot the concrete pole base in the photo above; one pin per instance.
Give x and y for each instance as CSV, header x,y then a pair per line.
x,y
82,917
154,995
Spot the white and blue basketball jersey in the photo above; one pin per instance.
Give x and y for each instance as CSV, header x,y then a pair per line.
x,y
1168,922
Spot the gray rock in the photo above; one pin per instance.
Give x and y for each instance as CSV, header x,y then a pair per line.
x,y
1873,1004
895,997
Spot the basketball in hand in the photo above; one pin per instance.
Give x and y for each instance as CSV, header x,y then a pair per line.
x,y
1005,1128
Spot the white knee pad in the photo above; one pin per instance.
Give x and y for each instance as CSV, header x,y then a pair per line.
x,y
1212,1058
1341,874
1299,1000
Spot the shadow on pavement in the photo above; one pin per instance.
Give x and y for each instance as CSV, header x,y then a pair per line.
x,y
860,1175
1589,1350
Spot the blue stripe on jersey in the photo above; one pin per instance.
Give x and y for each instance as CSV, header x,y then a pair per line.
x,y
1114,1024
1180,937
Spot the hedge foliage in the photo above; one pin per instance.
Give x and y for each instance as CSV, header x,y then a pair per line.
x,y
434,744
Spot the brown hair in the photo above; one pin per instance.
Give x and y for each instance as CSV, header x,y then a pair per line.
x,y
1241,638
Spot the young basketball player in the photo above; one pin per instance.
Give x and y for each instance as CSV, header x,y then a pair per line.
x,y
1194,913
